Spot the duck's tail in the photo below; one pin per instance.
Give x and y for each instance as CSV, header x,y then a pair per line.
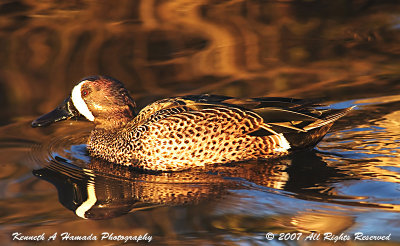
x,y
328,117
314,132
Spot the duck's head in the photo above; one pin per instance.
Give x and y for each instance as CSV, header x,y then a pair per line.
x,y
100,99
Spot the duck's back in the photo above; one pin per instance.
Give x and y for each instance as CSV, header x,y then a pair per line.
x,y
195,131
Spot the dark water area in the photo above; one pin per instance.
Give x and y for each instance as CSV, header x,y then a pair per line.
x,y
346,52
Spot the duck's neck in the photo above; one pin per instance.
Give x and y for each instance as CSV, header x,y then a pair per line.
x,y
110,124
108,139
105,143
114,120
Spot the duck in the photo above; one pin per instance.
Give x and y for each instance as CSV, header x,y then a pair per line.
x,y
193,131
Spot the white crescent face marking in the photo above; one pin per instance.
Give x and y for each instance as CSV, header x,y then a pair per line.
x,y
79,103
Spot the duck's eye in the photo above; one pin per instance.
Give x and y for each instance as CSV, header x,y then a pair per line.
x,y
84,93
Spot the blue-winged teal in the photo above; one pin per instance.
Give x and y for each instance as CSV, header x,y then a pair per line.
x,y
190,131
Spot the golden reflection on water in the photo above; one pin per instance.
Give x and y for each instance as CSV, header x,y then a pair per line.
x,y
377,140
240,48
334,49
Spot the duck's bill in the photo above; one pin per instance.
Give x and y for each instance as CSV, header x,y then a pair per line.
x,y
64,111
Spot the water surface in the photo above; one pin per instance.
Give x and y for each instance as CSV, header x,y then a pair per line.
x,y
344,52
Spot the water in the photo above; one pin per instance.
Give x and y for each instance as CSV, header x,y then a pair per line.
x,y
344,52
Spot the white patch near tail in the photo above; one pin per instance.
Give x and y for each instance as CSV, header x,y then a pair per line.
x,y
79,103
282,144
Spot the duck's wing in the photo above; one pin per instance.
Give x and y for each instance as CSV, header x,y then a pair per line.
x,y
160,109
302,122
253,103
169,106
279,115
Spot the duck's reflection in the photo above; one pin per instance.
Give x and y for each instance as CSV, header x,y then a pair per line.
x,y
102,190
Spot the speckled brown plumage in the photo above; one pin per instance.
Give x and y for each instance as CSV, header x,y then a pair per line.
x,y
182,139
195,131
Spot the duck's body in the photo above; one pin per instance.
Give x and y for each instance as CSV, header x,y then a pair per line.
x,y
192,131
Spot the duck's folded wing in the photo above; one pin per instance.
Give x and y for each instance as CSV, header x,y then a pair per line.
x,y
279,115
253,103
